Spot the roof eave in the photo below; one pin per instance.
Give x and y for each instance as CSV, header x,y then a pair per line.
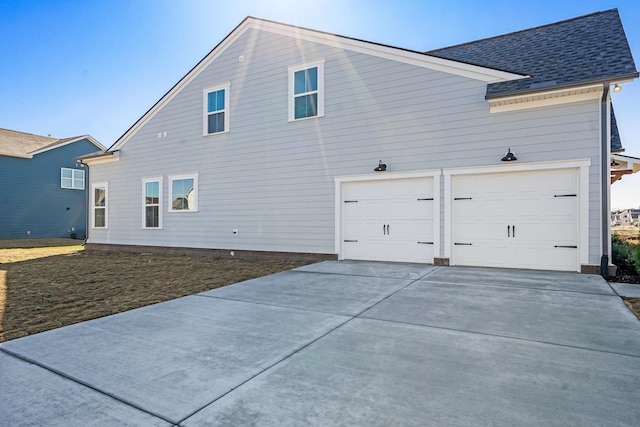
x,y
608,80
99,157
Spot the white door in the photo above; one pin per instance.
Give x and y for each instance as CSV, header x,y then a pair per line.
x,y
516,220
390,220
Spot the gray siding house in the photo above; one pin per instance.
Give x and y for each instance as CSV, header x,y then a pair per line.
x,y
490,153
43,192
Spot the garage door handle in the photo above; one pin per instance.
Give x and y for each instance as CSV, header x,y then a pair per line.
x,y
565,195
351,241
463,244
425,243
508,231
514,231
569,246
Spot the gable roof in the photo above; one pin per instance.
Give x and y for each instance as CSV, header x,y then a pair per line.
x,y
25,145
478,72
584,50
587,49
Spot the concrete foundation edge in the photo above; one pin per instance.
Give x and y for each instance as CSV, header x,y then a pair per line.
x,y
216,253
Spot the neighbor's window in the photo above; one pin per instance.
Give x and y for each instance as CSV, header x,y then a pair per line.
x,y
183,193
99,205
306,90
152,200
216,109
72,178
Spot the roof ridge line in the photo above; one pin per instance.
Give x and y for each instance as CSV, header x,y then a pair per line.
x,y
524,30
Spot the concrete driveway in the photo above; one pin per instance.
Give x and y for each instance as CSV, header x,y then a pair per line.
x,y
343,343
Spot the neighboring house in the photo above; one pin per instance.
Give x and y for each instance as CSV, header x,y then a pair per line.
x,y
42,193
494,150
625,217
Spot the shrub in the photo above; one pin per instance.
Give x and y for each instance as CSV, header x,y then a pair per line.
x,y
625,255
636,258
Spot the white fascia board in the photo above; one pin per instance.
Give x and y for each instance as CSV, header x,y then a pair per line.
x,y
419,59
18,156
545,99
62,144
103,158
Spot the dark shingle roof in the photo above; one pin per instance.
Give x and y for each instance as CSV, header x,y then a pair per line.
x,y
588,48
616,143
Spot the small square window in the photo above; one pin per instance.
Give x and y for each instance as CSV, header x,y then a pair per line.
x,y
183,193
72,178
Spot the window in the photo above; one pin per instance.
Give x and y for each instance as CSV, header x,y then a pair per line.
x,y
99,205
216,109
151,202
183,193
306,90
72,178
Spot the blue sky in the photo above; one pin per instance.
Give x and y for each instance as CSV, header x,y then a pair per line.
x,y
74,67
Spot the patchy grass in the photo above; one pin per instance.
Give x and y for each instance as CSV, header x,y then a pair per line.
x,y
634,305
50,287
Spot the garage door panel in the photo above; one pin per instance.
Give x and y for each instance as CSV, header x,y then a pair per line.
x,y
540,206
385,219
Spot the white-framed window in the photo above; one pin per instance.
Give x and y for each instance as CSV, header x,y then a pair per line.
x,y
100,205
152,202
72,178
183,193
306,90
216,109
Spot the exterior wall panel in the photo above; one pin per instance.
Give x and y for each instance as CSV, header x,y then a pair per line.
x,y
273,180
32,200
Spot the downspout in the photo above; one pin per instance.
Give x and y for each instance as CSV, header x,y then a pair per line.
x,y
87,209
604,181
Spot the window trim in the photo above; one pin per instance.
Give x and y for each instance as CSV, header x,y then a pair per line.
x,y
205,113
159,180
318,63
73,178
104,185
172,178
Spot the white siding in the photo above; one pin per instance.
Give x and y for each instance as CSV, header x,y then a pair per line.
x,y
273,180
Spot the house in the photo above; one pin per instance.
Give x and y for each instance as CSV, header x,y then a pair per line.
x,y
488,153
625,217
43,186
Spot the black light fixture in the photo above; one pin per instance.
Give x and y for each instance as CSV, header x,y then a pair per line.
x,y
509,157
614,163
381,167
617,88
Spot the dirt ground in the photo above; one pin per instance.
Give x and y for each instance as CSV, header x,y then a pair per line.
x,y
50,283
47,287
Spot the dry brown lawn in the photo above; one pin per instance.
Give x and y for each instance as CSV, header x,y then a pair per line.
x,y
50,283
44,287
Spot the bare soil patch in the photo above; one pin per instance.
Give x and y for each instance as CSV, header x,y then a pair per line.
x,y
47,288
634,305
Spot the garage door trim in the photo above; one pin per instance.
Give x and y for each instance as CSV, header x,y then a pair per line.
x,y
583,192
386,176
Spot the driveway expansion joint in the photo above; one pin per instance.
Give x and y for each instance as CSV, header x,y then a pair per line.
x,y
84,384
510,337
298,350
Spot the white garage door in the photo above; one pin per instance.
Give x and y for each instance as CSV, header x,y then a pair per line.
x,y
390,220
516,220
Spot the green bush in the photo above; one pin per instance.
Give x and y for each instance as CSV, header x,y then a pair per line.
x,y
636,258
625,254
